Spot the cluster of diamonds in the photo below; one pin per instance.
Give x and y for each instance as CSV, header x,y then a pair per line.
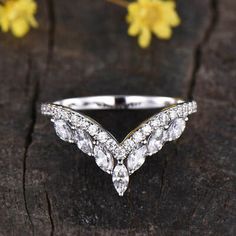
x,y
119,160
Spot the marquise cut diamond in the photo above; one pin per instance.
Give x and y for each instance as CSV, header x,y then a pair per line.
x,y
63,130
176,128
120,178
84,142
155,142
136,159
104,159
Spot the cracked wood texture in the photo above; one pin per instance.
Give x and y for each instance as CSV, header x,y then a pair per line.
x,y
48,187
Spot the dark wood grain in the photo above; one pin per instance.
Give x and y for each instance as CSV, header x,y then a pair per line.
x,y
48,187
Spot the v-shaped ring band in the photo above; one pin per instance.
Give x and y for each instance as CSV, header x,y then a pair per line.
x,y
119,159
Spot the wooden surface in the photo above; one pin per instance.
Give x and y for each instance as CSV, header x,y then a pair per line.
x,y
48,187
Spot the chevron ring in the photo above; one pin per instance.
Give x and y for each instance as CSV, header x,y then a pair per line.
x,y
119,159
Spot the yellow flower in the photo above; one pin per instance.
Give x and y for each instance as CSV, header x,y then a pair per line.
x,y
151,16
18,16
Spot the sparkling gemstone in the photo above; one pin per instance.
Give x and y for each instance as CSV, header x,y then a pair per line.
x,y
64,115
146,129
137,137
84,123
63,130
185,109
68,116
120,178
102,137
194,106
84,142
176,128
165,136
155,142
173,114
120,153
190,108
158,132
93,129
45,109
104,159
164,118
155,123
136,159
111,144
128,145
75,120
57,115
180,111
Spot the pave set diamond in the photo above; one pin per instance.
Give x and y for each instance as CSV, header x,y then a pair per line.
x,y
119,160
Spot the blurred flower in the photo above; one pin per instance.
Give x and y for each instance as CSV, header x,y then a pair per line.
x,y
151,16
18,16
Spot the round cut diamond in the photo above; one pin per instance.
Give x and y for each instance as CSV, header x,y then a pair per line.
x,y
173,114
111,144
63,130
180,111
155,142
93,129
137,137
190,108
66,115
185,110
136,159
194,104
104,159
84,123
164,118
102,137
120,178
120,153
176,128
57,115
84,142
128,145
158,132
155,123
75,120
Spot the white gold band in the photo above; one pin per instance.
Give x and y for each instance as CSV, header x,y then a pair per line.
x,y
118,102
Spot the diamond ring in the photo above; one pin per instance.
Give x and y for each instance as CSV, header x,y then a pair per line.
x,y
119,159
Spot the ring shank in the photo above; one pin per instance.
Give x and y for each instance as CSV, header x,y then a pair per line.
x,y
118,102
